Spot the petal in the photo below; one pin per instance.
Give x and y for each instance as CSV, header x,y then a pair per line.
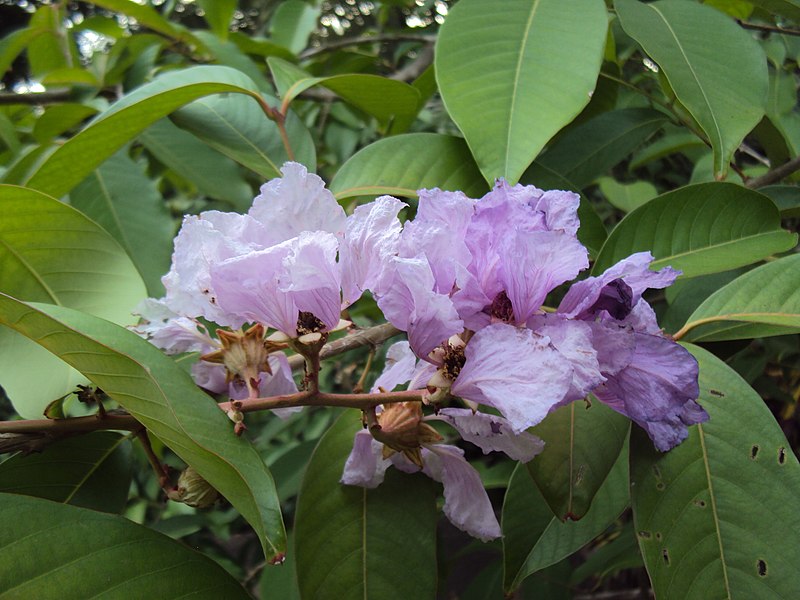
x,y
371,239
294,203
657,390
172,333
516,371
210,376
466,504
365,466
400,366
491,433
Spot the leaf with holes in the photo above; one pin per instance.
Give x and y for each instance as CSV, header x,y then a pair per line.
x,y
92,471
717,70
163,397
759,303
716,516
54,550
50,252
533,539
403,164
501,74
347,538
700,229
583,441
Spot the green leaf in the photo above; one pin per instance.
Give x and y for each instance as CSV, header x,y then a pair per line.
x,y
501,74
716,516
218,15
674,140
148,17
51,50
52,550
700,229
228,53
292,23
163,397
128,117
12,44
121,198
784,8
760,303
533,539
92,471
50,252
60,118
592,148
717,70
582,441
213,174
785,197
403,164
627,196
237,127
349,538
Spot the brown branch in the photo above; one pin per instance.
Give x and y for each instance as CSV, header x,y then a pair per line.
x,y
373,336
775,175
373,39
36,98
767,28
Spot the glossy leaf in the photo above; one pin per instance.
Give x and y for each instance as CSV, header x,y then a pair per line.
x,y
347,536
236,127
501,74
50,252
292,23
533,539
161,395
760,303
715,68
716,516
60,551
592,148
92,471
128,117
582,441
700,229
403,164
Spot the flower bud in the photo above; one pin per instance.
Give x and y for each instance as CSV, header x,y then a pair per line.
x,y
193,490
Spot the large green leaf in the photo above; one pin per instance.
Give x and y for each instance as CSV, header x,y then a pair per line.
x,y
55,551
502,77
92,471
716,517
348,539
590,149
403,164
533,539
582,441
760,303
717,70
128,117
236,127
160,394
119,196
60,118
50,252
785,8
700,229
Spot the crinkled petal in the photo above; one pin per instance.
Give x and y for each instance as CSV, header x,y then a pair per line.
x,y
172,333
466,504
491,433
371,239
422,375
614,344
516,371
294,203
410,304
654,389
400,366
365,466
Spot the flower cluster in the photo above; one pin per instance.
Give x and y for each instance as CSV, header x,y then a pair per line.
x,y
467,280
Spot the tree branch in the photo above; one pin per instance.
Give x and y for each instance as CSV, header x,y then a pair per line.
x,y
374,336
775,175
767,28
373,39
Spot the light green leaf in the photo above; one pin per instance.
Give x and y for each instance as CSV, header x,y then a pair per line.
x,y
218,15
50,252
292,23
583,442
716,69
51,50
591,149
121,198
784,8
55,551
148,17
213,174
627,196
60,118
700,229
92,471
163,397
760,303
501,74
716,516
12,44
227,53
80,155
533,539
347,538
403,164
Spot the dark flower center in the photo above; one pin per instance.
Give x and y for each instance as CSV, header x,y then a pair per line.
x,y
453,360
616,298
308,323
501,308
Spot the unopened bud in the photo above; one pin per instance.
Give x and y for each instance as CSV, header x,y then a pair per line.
x,y
193,490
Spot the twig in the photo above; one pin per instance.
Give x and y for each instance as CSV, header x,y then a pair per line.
x,y
767,28
373,39
373,336
161,470
35,98
775,175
